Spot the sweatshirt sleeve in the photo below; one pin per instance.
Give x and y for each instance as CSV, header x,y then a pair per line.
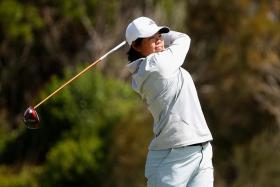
x,y
169,60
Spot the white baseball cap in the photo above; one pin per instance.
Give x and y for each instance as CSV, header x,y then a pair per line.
x,y
143,27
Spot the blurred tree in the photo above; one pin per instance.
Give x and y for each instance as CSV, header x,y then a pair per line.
x,y
9,177
255,169
127,150
232,43
39,39
78,131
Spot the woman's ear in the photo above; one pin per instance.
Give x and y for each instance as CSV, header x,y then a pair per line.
x,y
135,47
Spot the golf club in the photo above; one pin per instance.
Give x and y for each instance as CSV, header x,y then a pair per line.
x,y
31,118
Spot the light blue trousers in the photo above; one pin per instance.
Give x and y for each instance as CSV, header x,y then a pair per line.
x,y
189,166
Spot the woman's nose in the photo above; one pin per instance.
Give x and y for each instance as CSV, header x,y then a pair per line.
x,y
158,38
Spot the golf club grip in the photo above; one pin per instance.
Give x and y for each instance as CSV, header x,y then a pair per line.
x,y
79,74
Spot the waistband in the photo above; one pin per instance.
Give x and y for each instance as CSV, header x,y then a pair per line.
x,y
199,144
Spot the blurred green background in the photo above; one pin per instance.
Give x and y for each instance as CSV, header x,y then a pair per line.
x,y
95,132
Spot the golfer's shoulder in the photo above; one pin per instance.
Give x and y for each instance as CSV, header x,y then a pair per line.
x,y
160,64
154,61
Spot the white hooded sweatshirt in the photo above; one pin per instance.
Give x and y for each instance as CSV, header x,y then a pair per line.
x,y
170,94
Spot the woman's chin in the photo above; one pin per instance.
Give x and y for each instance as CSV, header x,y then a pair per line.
x,y
159,49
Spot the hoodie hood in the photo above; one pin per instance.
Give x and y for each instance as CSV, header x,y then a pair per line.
x,y
133,66
139,73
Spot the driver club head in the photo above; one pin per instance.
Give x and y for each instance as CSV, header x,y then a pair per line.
x,y
31,118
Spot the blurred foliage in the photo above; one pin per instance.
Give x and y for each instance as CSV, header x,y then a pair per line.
x,y
264,167
9,177
234,45
97,128
19,21
73,162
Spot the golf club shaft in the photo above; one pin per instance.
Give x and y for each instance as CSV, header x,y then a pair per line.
x,y
79,74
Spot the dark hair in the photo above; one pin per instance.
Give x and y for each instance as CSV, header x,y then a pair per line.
x,y
132,54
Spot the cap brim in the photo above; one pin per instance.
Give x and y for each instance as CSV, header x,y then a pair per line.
x,y
164,30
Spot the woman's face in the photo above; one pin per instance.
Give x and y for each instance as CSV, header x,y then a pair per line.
x,y
150,45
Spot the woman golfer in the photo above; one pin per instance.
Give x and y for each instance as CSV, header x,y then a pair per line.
x,y
180,153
